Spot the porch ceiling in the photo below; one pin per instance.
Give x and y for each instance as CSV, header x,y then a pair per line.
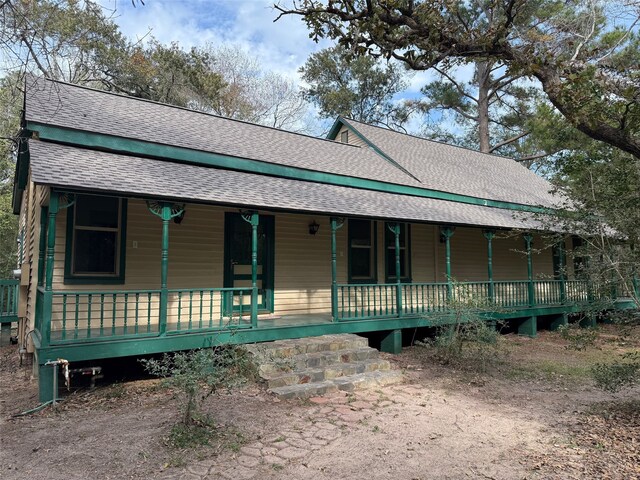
x,y
92,170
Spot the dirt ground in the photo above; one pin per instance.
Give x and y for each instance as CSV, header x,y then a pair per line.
x,y
533,415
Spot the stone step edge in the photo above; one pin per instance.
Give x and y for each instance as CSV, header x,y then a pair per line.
x,y
369,365
270,349
316,355
346,383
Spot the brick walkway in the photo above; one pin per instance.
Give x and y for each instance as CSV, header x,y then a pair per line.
x,y
327,419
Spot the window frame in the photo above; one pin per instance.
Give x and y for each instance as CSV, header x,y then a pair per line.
x,y
373,225
344,136
390,274
118,278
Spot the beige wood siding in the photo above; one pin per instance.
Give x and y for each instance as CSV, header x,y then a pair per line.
x,y
353,138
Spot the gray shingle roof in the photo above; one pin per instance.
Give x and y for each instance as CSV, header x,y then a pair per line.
x,y
76,107
459,170
71,167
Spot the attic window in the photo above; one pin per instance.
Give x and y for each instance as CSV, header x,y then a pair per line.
x,y
344,136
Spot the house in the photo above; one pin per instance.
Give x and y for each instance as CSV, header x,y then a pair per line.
x,y
150,228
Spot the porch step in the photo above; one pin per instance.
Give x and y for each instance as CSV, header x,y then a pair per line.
x,y
314,366
349,383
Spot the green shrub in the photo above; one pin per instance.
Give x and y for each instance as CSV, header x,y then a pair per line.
x,y
197,374
622,373
578,338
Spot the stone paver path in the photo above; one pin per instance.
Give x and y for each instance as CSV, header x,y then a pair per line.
x,y
325,420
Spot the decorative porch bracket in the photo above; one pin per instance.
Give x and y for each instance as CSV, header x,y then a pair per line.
x,y
447,233
489,234
253,219
166,211
336,224
528,242
57,202
395,229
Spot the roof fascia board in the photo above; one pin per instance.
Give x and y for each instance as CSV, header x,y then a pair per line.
x,y
146,149
244,206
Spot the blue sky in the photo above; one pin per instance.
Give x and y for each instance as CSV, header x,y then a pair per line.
x,y
281,46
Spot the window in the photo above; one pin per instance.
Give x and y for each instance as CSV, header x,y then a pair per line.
x,y
344,136
362,251
390,253
95,240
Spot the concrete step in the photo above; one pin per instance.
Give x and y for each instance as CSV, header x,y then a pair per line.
x,y
329,372
348,383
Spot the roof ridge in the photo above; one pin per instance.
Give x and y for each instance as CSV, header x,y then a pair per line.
x,y
154,102
439,142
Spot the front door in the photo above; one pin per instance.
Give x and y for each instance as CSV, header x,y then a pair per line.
x,y
237,266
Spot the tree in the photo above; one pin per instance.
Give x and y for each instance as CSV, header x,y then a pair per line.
x,y
253,94
493,109
360,88
584,54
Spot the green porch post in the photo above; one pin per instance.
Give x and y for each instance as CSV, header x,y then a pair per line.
x,y
42,247
254,221
563,273
47,301
392,342
528,327
395,229
559,320
336,224
165,216
47,247
489,234
528,241
166,211
447,233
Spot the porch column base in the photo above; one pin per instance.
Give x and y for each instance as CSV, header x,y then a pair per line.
x,y
528,327
45,384
558,321
392,342
589,321
5,333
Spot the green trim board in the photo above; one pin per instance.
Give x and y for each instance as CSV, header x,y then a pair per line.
x,y
70,278
145,344
340,121
180,154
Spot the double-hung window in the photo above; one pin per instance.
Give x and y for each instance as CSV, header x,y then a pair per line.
x,y
390,253
362,251
95,240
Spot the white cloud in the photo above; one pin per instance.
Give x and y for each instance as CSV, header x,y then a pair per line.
x,y
281,46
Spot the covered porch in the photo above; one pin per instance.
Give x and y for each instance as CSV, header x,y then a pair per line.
x,y
70,310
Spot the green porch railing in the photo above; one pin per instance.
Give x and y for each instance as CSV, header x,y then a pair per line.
x,y
96,315
424,297
208,308
362,301
84,315
512,293
9,300
549,292
577,291
368,301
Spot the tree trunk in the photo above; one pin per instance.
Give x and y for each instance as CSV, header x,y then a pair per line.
x,y
483,77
